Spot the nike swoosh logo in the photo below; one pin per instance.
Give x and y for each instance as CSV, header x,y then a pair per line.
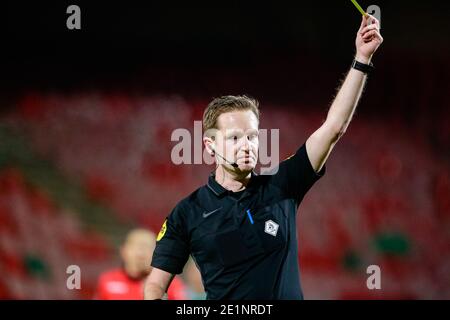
x,y
207,214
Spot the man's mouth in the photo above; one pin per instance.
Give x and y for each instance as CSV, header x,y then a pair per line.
x,y
247,159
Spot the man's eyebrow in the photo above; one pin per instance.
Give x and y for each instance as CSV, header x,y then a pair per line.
x,y
233,131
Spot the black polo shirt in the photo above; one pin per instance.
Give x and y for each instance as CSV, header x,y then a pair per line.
x,y
245,245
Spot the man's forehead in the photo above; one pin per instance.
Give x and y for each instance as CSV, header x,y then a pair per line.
x,y
140,236
237,120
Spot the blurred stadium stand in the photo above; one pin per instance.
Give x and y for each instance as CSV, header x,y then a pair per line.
x,y
77,169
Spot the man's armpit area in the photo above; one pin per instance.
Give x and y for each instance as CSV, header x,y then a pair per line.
x,y
319,173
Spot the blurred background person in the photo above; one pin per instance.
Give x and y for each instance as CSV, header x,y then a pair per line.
x,y
126,282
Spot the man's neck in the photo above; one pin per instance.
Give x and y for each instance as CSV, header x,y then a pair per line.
x,y
232,181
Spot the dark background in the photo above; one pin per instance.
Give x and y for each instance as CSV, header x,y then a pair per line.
x,y
122,44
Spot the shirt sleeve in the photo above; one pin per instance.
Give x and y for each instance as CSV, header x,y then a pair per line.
x,y
172,244
295,175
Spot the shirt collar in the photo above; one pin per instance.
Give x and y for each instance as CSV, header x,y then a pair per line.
x,y
219,190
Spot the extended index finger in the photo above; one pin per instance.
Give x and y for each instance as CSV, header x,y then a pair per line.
x,y
364,22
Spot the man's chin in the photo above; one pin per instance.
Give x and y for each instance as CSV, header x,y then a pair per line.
x,y
246,167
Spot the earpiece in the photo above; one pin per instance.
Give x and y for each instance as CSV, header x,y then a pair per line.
x,y
233,164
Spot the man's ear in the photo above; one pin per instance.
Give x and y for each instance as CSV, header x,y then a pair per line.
x,y
209,145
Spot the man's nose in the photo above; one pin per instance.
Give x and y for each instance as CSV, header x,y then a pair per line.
x,y
246,144
141,253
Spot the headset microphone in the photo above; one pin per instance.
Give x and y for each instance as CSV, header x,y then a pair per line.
x,y
233,164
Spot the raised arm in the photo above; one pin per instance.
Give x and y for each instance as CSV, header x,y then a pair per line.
x,y
322,141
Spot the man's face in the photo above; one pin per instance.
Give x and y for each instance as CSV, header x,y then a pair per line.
x,y
238,140
137,252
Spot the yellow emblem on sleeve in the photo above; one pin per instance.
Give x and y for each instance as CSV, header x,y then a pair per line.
x,y
162,232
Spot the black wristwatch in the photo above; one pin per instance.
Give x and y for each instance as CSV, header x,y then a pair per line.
x,y
366,68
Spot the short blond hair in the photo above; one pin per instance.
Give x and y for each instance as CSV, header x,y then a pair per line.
x,y
227,104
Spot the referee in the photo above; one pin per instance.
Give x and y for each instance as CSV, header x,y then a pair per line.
x,y
240,228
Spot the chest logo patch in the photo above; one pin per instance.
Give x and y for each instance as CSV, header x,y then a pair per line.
x,y
271,228
207,214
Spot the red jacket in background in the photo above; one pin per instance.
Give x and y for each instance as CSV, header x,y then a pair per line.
x,y
117,285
